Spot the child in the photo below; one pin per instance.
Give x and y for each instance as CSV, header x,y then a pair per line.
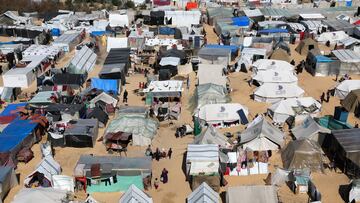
x,y
156,183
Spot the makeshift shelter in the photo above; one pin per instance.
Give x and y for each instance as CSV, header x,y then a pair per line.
x,y
280,54
302,154
167,88
319,65
123,170
103,97
349,61
138,110
212,136
272,92
118,20
68,41
332,37
183,18
211,73
252,194
107,85
274,76
261,136
312,25
63,182
47,167
52,52
208,94
48,195
271,64
339,25
203,193
8,180
83,61
116,65
251,55
351,102
72,80
299,108
142,129
99,114
345,87
310,129
44,98
223,115
135,195
170,64
202,164
307,45
83,133
116,42
220,12
220,56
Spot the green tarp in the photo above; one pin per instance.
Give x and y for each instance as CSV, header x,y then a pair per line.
x,y
123,183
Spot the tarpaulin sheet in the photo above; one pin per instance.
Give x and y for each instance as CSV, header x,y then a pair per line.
x,y
241,21
275,30
232,48
166,31
107,85
15,133
10,108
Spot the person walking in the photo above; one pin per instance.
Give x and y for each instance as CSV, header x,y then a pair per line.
x,y
164,176
156,183
169,153
188,82
125,96
322,98
292,62
157,154
328,96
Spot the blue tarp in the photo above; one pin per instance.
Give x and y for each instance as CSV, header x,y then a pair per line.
x,y
232,48
241,21
3,43
98,33
274,30
15,133
55,32
166,31
323,59
11,107
107,85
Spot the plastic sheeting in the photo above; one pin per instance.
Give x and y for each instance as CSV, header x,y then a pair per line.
x,y
83,61
8,180
345,87
134,194
252,194
203,193
211,74
310,129
107,85
183,18
272,92
48,195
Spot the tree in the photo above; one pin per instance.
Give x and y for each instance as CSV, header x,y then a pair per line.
x,y
129,4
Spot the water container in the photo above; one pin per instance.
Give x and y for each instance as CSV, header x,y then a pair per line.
x,y
341,114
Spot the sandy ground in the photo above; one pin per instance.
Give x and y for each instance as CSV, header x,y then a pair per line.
x,y
177,189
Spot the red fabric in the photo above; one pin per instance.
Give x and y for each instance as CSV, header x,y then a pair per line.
x,y
161,2
302,34
7,119
191,5
227,172
83,180
357,22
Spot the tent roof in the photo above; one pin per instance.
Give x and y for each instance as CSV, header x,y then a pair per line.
x,y
211,136
280,54
274,76
68,79
221,112
135,195
347,55
279,65
260,131
273,90
118,55
337,24
47,166
132,110
251,194
48,195
203,193
166,88
351,101
211,73
308,128
348,85
83,61
349,141
42,97
202,152
286,106
172,61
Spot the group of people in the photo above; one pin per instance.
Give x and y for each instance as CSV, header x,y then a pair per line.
x,y
327,99
163,178
158,154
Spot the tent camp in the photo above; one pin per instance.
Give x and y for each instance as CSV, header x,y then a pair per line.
x,y
349,61
203,193
261,136
351,102
208,94
280,54
83,133
214,56
48,167
40,194
143,130
123,170
212,136
271,64
211,73
103,97
274,76
252,194
302,154
333,37
135,195
345,87
307,45
319,65
8,180
294,107
310,129
202,164
272,92
83,61
222,115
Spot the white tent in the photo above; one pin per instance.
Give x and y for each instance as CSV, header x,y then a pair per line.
x,y
212,136
271,64
169,61
116,42
83,61
118,20
184,18
247,55
48,166
333,37
211,73
135,195
345,87
297,107
252,194
104,97
203,194
48,195
275,76
166,88
63,182
262,136
272,92
202,159
310,129
219,114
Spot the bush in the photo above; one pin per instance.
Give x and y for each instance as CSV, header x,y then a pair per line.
x,y
129,4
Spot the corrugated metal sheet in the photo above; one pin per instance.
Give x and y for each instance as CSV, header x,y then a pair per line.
x,y
347,55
